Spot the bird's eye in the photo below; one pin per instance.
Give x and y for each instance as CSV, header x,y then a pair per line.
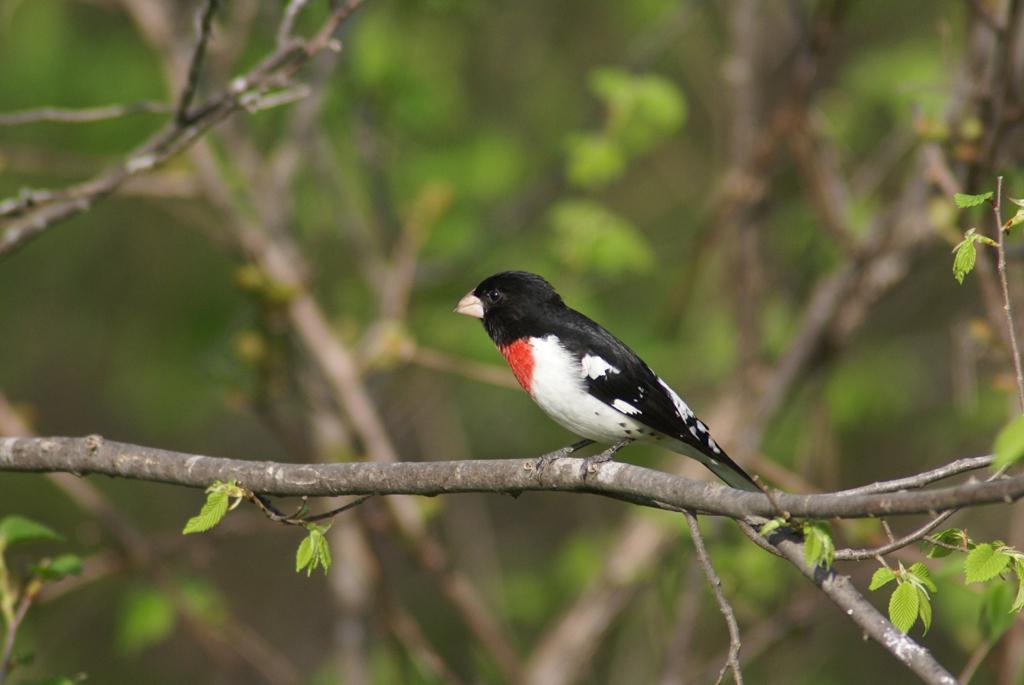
x,y
493,296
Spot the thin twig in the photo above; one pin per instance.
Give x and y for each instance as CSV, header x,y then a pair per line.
x,y
895,544
732,661
28,596
1003,281
82,116
958,466
276,515
924,478
287,25
204,21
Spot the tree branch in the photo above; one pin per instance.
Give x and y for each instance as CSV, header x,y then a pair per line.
x,y
204,22
94,455
842,592
997,204
32,212
82,116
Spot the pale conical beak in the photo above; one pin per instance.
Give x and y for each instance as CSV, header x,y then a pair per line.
x,y
470,305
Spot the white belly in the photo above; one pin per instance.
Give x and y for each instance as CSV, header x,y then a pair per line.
x,y
558,386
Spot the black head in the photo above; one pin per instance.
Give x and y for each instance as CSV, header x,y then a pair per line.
x,y
511,304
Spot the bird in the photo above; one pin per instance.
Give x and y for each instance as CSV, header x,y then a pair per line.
x,y
586,379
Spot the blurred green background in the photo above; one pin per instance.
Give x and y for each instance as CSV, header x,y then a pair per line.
x,y
602,144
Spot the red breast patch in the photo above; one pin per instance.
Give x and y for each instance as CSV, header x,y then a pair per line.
x,y
519,356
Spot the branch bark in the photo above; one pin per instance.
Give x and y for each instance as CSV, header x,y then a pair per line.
x,y
635,484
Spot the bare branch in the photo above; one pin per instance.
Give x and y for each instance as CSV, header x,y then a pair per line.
x,y
893,545
291,13
997,204
204,21
732,661
921,479
35,211
28,596
82,116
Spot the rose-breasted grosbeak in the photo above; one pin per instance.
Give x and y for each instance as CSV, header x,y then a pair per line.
x,y
585,378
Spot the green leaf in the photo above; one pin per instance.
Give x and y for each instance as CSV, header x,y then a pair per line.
x,y
324,555
996,614
921,572
881,576
963,200
313,551
588,236
964,260
1014,220
924,609
1009,447
14,529
904,606
818,546
304,555
60,567
1018,602
214,509
146,618
771,526
593,161
984,563
950,536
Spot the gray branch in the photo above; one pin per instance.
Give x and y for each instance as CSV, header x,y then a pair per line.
x,y
94,455
875,626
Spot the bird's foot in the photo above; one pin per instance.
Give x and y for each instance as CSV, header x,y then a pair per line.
x,y
601,457
545,459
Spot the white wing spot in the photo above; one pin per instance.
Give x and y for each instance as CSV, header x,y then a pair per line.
x,y
714,445
701,427
625,407
594,367
681,407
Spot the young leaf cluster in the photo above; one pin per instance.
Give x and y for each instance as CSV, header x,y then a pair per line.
x,y
911,598
219,498
984,562
965,254
17,594
641,110
313,551
819,548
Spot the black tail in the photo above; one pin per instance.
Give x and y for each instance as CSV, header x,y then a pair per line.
x,y
729,471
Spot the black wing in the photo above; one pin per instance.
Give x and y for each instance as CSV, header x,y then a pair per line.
x,y
658,406
635,383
